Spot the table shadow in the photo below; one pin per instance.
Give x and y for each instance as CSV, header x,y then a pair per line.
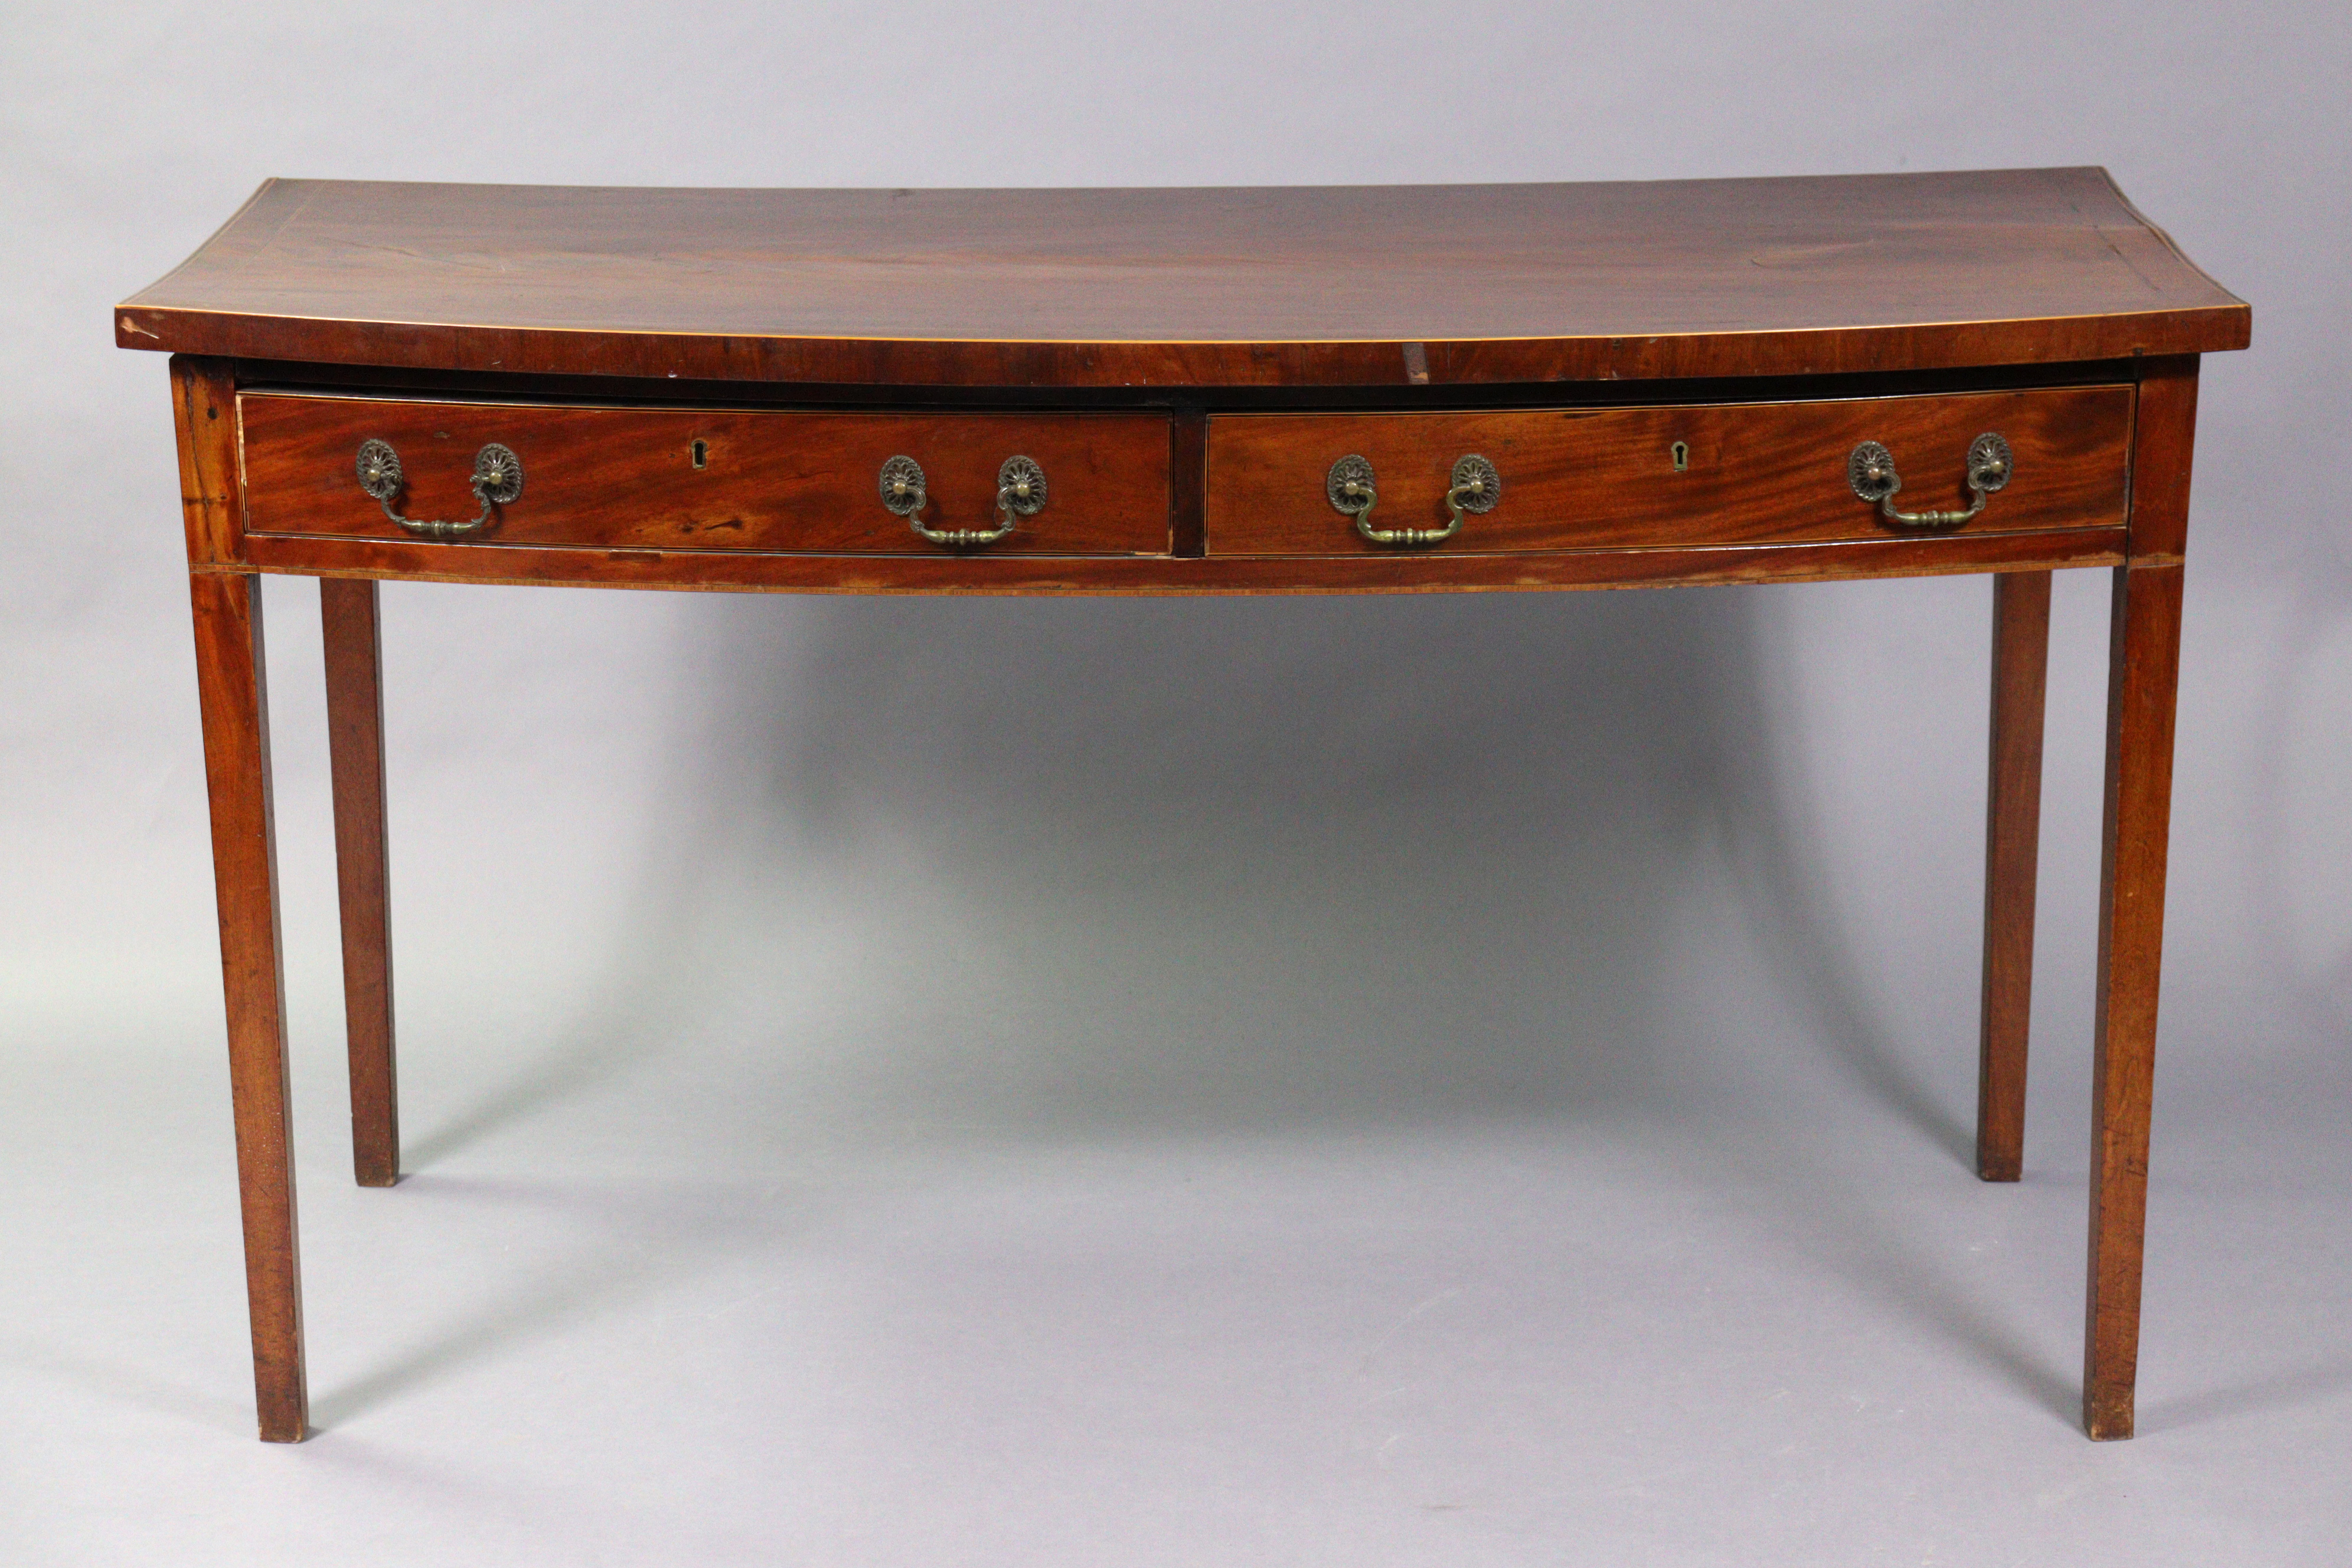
x,y
1466,820
666,1231
1467,817
2280,1390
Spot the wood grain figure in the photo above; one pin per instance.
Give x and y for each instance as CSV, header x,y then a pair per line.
x,y
1603,478
1176,288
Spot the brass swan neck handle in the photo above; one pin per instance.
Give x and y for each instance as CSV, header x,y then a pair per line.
x,y
497,480
1870,469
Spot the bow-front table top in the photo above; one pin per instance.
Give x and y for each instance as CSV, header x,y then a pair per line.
x,y
1362,286
1358,389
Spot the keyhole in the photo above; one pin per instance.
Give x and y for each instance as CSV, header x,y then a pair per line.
x,y
1681,450
702,454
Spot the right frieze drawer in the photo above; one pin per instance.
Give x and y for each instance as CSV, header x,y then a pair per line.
x,y
1671,475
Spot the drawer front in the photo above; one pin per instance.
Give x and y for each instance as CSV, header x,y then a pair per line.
x,y
767,480
1599,479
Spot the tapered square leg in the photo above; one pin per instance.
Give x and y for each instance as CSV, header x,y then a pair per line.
x,y
2020,666
229,681
2147,662
355,752
2143,677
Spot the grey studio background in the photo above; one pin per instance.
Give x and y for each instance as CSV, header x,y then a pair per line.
x,y
1452,1080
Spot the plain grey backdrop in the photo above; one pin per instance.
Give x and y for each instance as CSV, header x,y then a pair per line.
x,y
1451,1080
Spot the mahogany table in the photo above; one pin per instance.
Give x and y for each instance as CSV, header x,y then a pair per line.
x,y
1372,389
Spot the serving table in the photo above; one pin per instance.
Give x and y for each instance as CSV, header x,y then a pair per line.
x,y
1367,389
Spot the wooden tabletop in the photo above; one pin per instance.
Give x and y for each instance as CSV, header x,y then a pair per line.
x,y
1364,285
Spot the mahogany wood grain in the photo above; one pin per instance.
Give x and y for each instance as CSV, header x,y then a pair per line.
x,y
1606,478
2164,431
2142,683
1404,572
1891,381
625,477
347,606
204,405
2143,680
1387,286
2020,668
231,688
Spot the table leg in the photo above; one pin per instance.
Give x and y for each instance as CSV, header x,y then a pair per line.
x,y
2142,677
234,698
2020,664
355,752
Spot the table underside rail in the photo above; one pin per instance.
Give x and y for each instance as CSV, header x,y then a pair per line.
x,y
982,573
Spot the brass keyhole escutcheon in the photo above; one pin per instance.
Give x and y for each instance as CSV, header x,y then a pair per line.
x,y
1680,451
701,450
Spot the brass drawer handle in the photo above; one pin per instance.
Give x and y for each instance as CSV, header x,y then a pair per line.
x,y
1020,493
497,480
1871,471
1475,486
